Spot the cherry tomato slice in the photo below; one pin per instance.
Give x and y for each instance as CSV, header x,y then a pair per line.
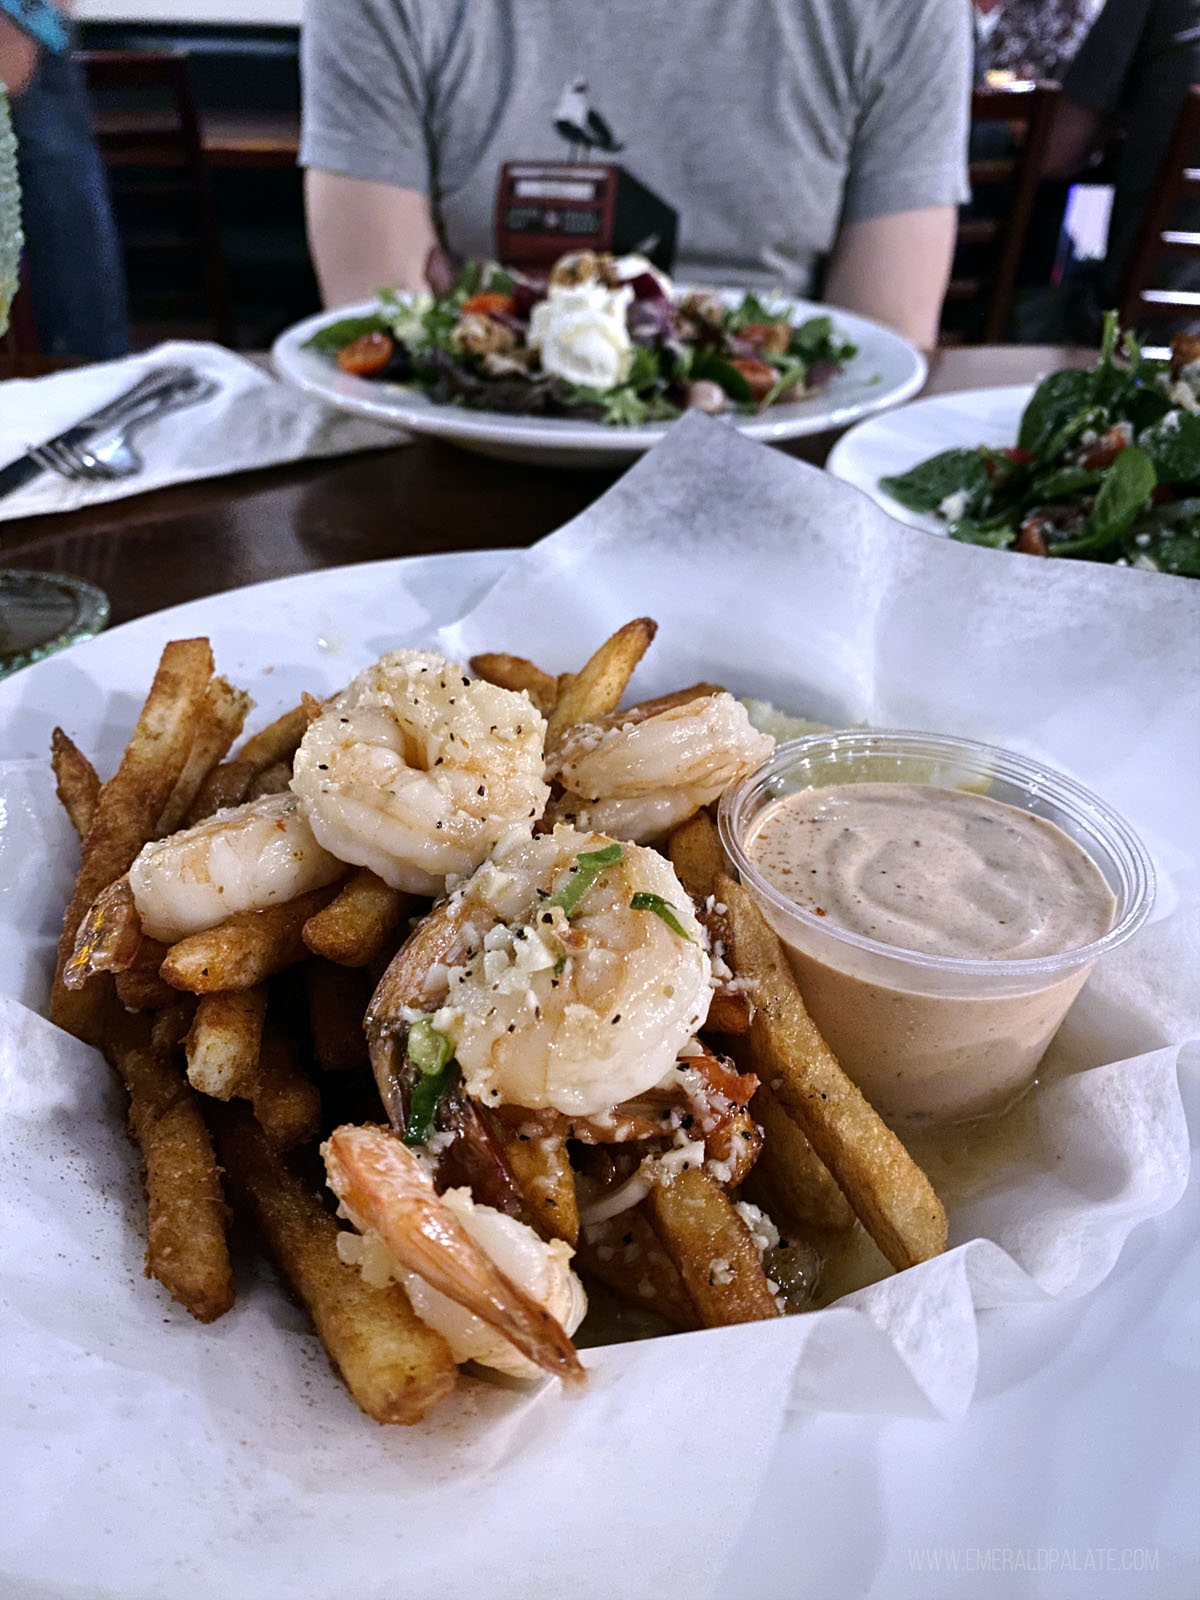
x,y
490,305
366,355
760,375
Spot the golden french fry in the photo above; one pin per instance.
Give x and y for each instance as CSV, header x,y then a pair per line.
x,y
624,1252
542,1169
395,1366
245,949
360,923
890,1195
271,780
696,854
515,672
287,1103
187,1250
139,987
76,782
597,688
223,1042
788,1180
228,784
337,1003
729,1011
712,1248
217,726
278,741
641,709
127,809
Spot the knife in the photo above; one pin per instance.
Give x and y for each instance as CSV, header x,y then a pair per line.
x,y
108,416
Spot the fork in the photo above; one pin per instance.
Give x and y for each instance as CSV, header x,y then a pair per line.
x,y
113,456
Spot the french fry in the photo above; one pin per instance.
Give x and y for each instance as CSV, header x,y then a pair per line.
x,y
712,1248
361,921
139,987
228,784
641,709
788,1179
271,780
515,672
245,949
696,854
337,1003
278,741
217,726
597,688
187,1250
287,1104
624,1252
127,809
729,1011
543,1171
890,1195
395,1366
76,782
224,1040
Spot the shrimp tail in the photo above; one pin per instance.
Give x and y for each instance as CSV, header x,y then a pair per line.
x,y
109,936
384,1187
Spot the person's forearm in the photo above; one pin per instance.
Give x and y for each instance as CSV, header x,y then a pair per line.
x,y
896,269
18,55
365,235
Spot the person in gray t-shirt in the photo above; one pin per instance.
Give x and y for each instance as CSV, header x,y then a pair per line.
x,y
782,131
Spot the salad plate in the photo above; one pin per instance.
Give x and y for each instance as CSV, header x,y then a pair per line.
x,y
885,370
884,447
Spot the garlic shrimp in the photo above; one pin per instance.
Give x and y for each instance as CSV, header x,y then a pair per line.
x,y
496,1292
566,973
415,769
638,775
258,854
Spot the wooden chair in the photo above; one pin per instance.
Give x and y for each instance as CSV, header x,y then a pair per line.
x,y
146,125
1178,178
989,245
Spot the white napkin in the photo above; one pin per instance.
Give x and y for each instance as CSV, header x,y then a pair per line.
x,y
253,421
152,1457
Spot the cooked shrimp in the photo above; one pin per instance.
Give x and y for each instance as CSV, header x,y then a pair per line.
x,y
463,1265
575,1009
254,855
637,777
415,770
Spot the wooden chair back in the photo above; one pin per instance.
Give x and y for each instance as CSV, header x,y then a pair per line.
x,y
146,126
991,237
1178,177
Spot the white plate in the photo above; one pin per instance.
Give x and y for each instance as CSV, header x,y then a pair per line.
x,y
882,446
886,370
1074,1474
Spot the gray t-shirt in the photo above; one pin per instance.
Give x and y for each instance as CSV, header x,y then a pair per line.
x,y
767,124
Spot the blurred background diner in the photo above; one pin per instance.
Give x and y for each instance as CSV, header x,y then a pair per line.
x,y
834,149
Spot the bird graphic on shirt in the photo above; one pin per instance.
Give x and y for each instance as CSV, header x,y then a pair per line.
x,y
581,126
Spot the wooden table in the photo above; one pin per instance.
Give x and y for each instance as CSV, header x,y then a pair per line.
x,y
179,544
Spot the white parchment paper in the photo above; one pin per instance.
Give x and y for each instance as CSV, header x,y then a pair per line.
x,y
149,1457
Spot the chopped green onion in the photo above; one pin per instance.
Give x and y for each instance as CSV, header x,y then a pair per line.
x,y
427,1048
424,1100
645,901
432,1053
583,875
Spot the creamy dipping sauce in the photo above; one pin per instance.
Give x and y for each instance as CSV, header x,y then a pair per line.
x,y
929,872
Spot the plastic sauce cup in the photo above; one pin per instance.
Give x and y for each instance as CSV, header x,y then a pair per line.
x,y
932,1039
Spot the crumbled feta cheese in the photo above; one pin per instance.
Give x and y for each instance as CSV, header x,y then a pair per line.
x,y
954,506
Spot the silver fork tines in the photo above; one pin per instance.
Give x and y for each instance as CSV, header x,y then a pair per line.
x,y
104,457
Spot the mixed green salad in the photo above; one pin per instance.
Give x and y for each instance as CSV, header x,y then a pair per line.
x,y
1106,467
603,339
